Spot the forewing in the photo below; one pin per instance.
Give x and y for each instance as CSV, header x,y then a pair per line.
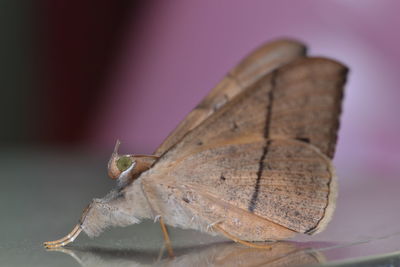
x,y
262,61
279,172
287,182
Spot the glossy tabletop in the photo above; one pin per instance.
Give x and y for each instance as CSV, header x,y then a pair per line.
x,y
42,195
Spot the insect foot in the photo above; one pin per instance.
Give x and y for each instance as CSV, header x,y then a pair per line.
x,y
65,240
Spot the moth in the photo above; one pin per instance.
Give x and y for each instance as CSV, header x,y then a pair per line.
x,y
251,162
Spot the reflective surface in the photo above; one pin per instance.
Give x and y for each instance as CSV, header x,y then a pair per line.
x,y
222,254
43,194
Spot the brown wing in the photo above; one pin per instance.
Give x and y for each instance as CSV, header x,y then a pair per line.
x,y
262,61
275,171
307,102
287,182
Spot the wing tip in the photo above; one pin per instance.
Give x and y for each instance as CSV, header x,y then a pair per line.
x,y
288,43
281,48
285,41
328,62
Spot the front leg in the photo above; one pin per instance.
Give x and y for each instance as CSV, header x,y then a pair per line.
x,y
75,232
97,216
65,240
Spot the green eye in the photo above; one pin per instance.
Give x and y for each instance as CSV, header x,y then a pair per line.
x,y
123,163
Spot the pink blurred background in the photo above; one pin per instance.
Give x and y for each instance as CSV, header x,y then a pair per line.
x,y
77,75
185,47
119,69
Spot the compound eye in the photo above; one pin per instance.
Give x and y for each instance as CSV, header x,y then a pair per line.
x,y
123,163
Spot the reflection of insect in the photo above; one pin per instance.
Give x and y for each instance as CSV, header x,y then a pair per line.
x,y
252,161
220,254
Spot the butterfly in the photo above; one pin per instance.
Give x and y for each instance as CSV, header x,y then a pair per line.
x,y
251,162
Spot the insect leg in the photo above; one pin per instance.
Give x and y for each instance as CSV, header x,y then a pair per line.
x,y
146,189
211,225
65,240
167,240
157,218
86,216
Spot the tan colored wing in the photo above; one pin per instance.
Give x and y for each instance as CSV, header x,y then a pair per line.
x,y
287,182
262,61
246,155
307,102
